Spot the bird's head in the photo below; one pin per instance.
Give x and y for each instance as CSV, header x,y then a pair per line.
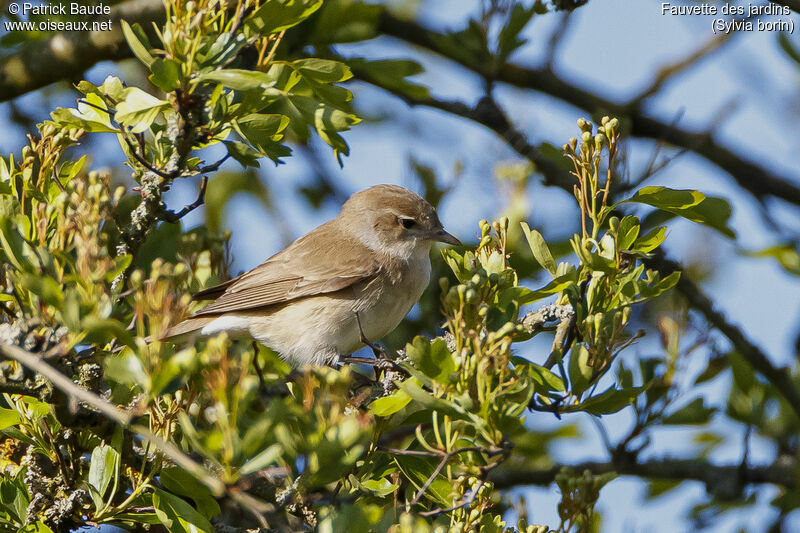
x,y
394,220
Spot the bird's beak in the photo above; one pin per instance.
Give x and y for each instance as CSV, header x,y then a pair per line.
x,y
442,236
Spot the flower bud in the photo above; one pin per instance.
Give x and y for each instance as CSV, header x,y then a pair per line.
x,y
599,141
573,143
470,296
444,284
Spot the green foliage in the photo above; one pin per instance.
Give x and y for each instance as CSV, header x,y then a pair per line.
x,y
193,68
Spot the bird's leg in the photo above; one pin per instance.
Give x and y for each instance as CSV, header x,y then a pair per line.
x,y
257,366
379,352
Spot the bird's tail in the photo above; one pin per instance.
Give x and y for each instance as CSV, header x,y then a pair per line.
x,y
190,325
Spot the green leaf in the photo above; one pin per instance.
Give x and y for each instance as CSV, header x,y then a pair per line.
x,y
545,381
344,21
689,204
418,470
121,263
177,515
113,87
785,254
323,70
695,413
103,466
10,239
174,372
541,252
509,40
243,153
104,330
556,286
391,74
389,405
166,74
8,418
580,373
139,109
179,481
627,233
609,401
93,118
651,240
263,132
46,288
126,368
237,79
138,42
381,487
328,121
429,401
263,459
36,527
432,358
278,15
457,263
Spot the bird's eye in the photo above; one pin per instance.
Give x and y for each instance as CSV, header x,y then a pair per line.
x,y
408,223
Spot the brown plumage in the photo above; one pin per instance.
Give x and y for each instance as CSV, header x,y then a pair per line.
x,y
373,250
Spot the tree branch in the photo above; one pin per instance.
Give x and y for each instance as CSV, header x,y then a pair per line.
x,y
66,55
750,176
717,478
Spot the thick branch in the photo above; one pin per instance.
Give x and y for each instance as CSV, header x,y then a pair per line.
x,y
757,180
719,479
66,55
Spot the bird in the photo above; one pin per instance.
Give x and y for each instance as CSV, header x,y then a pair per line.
x,y
344,285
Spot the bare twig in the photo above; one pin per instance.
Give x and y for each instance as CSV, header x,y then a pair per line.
x,y
214,166
172,216
141,159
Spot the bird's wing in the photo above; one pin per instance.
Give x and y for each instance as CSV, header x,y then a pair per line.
x,y
321,262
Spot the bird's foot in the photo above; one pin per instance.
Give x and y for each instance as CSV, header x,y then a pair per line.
x,y
380,362
376,348
261,383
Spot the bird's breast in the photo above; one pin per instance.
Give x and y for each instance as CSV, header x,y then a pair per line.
x,y
391,295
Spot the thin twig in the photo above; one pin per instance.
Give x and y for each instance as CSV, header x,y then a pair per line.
x,y
214,166
172,216
140,158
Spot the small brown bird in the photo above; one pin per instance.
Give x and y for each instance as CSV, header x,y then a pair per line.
x,y
353,278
